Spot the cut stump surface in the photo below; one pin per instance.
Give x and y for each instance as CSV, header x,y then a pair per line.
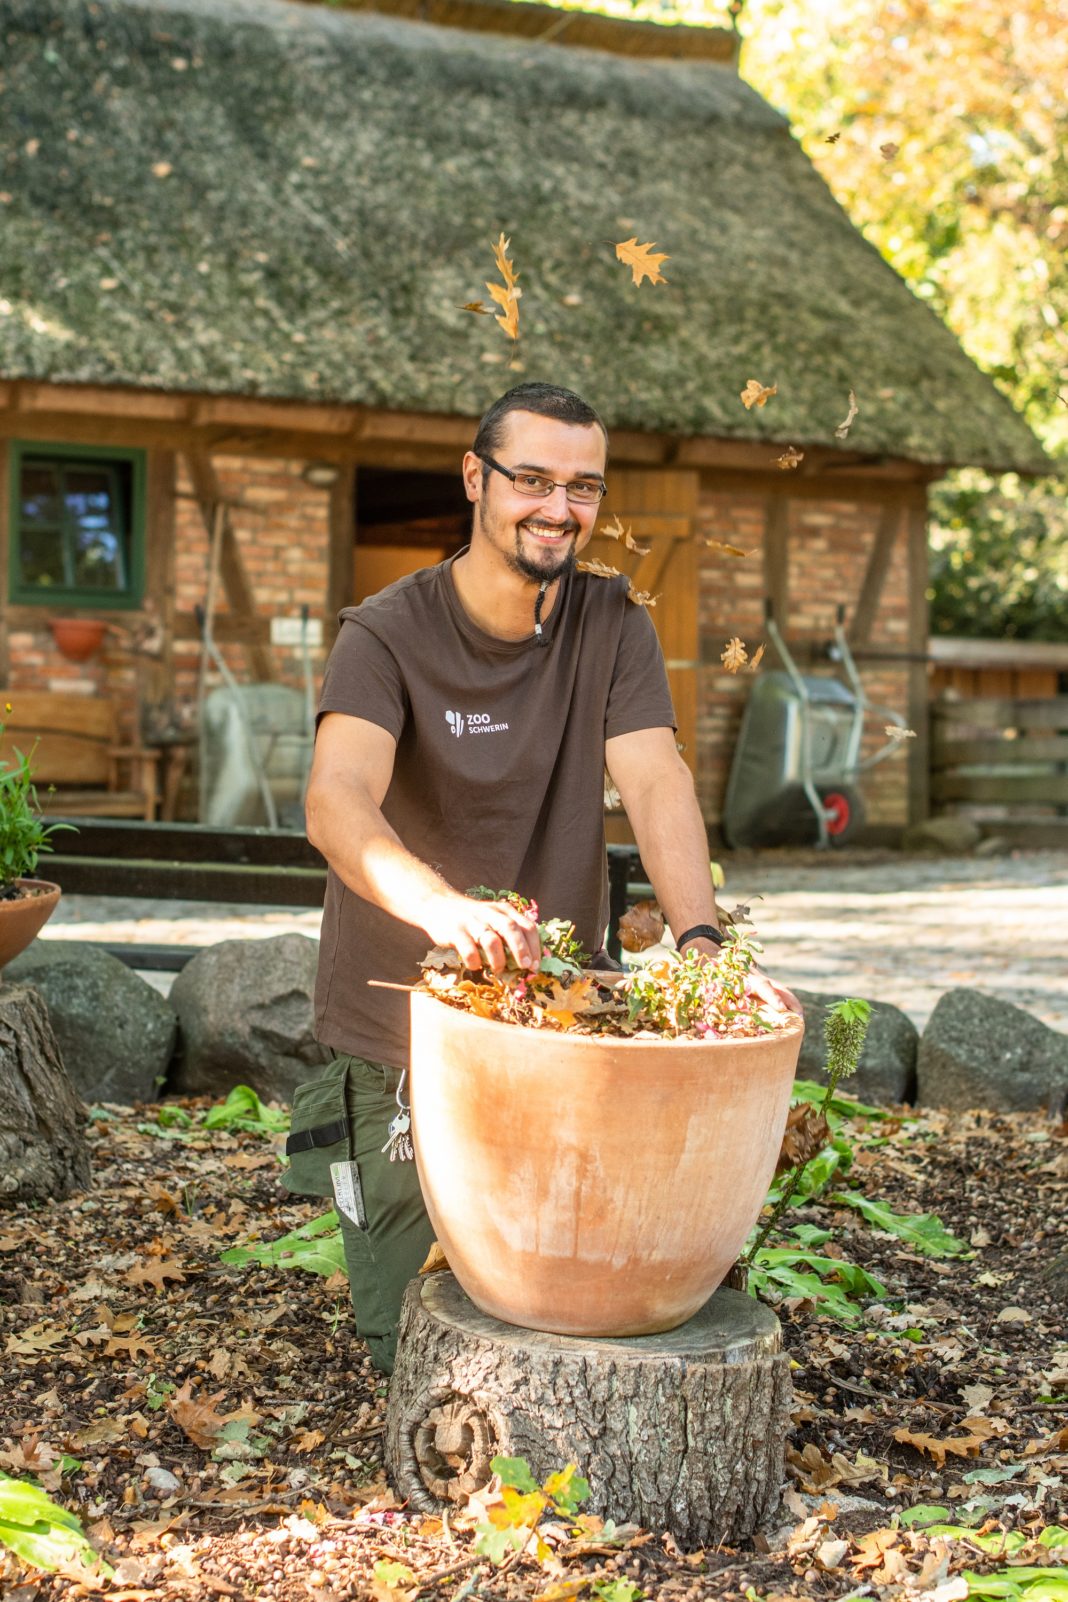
x,y
683,1431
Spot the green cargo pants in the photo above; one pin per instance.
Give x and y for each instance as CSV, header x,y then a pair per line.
x,y
346,1111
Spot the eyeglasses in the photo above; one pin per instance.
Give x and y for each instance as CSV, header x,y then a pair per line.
x,y
537,486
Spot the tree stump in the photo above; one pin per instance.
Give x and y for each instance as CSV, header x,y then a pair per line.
x,y
42,1144
683,1431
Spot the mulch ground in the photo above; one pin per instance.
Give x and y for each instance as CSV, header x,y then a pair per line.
x,y
129,1347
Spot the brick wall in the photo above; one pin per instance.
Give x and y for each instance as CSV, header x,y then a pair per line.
x,y
830,542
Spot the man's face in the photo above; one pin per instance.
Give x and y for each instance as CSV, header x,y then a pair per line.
x,y
537,538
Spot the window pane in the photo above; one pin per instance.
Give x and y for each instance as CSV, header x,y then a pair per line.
x,y
40,556
94,519
40,494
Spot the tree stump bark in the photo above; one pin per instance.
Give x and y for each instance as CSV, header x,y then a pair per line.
x,y
683,1431
42,1145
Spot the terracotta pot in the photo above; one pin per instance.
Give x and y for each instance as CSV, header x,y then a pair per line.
x,y
21,919
592,1186
78,638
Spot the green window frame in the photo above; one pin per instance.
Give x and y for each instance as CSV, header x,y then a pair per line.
x,y
77,526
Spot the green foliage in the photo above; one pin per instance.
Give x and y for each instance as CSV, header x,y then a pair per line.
x,y
1018,1585
42,1533
511,1524
393,1575
316,1247
831,1284
844,1031
923,1231
834,1107
610,1590
24,835
687,994
243,1109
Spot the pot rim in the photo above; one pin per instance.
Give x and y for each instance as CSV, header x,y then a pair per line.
x,y
599,1042
42,886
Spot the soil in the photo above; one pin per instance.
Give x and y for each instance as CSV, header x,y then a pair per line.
x,y
128,1344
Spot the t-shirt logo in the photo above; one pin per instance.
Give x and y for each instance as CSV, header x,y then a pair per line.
x,y
455,720
474,723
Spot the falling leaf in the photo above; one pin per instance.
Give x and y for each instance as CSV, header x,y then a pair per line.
x,y
197,1419
161,169
757,394
806,1133
477,306
641,926
32,146
641,597
791,457
616,531
599,569
757,658
832,139
889,150
894,731
728,550
506,295
642,260
847,423
734,655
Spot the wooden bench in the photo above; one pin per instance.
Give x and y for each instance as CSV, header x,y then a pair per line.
x,y
79,767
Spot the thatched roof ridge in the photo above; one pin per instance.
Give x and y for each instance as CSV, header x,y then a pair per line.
x,y
256,197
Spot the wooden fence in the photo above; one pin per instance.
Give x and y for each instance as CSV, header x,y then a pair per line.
x,y
1004,763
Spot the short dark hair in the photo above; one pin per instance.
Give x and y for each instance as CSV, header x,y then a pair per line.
x,y
546,400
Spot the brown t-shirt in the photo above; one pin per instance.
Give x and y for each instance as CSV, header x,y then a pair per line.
x,y
498,778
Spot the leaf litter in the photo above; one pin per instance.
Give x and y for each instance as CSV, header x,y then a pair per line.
x,y
221,1434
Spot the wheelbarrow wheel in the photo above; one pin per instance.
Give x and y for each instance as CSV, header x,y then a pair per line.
x,y
845,814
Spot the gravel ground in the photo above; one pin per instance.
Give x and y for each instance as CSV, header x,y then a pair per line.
x,y
890,927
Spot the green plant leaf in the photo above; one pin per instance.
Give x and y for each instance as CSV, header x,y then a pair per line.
x,y
243,1109
924,1231
617,1590
393,1575
923,1513
316,1247
41,1532
813,1092
515,1471
495,1543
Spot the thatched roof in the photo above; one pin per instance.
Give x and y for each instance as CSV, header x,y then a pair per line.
x,y
256,197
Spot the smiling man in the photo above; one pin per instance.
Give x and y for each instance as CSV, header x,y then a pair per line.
x,y
467,715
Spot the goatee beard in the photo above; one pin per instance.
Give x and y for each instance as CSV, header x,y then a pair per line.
x,y
538,572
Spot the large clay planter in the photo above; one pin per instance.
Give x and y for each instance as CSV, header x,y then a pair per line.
x,y
592,1186
21,919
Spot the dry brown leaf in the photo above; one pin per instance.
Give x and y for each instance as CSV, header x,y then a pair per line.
x,y
599,569
129,1346
756,659
832,139
479,307
615,530
791,457
161,169
728,550
734,655
40,1338
307,1440
642,260
757,394
894,731
958,1445
641,926
435,1259
847,422
806,1133
506,295
641,597
195,1418
154,1273
889,150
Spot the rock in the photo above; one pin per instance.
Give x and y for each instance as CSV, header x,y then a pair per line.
x,y
978,1051
954,835
115,1032
245,1017
887,1071
993,845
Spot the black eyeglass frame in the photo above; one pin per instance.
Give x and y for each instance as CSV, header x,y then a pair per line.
x,y
512,474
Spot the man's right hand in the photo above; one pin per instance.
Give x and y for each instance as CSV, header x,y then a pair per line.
x,y
484,932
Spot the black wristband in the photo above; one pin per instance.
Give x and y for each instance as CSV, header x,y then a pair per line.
x,y
702,931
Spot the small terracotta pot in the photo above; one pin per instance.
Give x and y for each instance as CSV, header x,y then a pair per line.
x,y
22,918
78,638
592,1186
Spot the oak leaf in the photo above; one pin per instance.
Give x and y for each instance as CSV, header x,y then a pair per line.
x,y
832,139
598,569
154,1273
506,295
615,530
757,658
642,260
939,1447
806,1133
727,550
307,1441
847,422
641,926
479,307
197,1419
734,655
791,457
757,394
641,597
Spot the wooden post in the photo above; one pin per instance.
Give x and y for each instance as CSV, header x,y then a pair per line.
x,y
777,557
919,756
891,518
340,584
231,568
683,1431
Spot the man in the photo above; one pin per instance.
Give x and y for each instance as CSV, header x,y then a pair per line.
x,y
467,715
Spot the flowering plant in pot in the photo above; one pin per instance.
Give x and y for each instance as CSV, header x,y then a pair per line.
x,y
26,903
594,1148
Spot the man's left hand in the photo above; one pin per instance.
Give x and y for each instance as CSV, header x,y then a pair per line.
x,y
774,996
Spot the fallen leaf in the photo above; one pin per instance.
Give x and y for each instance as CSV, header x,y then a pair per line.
x,y
195,1418
641,926
847,422
734,655
154,1272
791,457
435,1259
757,394
977,1397
642,260
806,1133
940,1447
1013,1315
41,1337
307,1440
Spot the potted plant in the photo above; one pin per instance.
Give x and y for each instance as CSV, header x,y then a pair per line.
x,y
26,903
595,1148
